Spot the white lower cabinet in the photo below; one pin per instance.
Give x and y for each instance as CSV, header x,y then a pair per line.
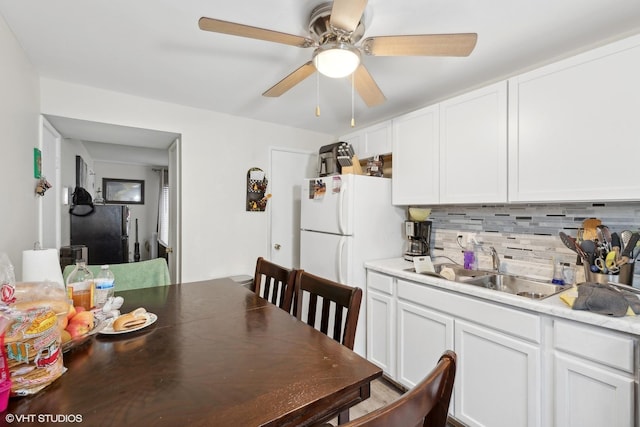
x,y
381,322
515,367
381,331
594,378
498,381
423,335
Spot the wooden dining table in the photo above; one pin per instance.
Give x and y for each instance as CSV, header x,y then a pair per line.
x,y
218,355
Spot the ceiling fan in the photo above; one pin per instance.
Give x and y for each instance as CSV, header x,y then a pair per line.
x,y
334,29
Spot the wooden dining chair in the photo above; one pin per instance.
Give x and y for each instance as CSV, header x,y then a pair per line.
x,y
274,283
336,300
427,404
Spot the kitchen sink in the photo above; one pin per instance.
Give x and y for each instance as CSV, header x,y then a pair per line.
x,y
462,275
520,286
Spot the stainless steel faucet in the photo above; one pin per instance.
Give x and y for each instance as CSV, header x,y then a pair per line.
x,y
495,259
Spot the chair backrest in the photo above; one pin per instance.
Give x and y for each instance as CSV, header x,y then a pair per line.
x,y
133,275
274,283
427,404
336,299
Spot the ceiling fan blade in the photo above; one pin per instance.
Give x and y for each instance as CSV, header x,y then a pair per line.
x,y
425,44
225,27
367,87
291,80
346,14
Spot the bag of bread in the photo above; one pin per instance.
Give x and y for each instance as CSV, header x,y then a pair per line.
x,y
32,339
32,345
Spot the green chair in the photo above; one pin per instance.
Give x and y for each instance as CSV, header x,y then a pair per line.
x,y
133,275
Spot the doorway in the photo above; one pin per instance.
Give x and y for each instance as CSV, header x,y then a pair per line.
x,y
120,145
288,168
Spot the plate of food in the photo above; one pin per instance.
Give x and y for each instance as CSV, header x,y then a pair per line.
x,y
129,322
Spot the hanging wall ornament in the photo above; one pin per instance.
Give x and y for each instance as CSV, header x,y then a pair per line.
x,y
42,186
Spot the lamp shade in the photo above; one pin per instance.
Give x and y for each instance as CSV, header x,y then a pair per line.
x,y
336,60
41,266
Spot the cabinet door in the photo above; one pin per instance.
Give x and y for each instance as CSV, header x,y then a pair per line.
x,y
473,146
497,381
356,140
381,331
423,335
588,395
371,140
576,114
378,140
416,158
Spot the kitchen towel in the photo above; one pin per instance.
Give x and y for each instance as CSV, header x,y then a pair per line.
x,y
603,299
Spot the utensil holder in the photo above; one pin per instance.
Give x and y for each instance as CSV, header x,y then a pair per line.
x,y
624,277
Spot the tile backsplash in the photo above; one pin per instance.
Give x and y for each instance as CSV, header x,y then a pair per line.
x,y
527,232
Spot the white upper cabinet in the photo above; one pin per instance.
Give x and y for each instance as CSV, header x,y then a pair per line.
x,y
370,141
574,128
473,146
416,159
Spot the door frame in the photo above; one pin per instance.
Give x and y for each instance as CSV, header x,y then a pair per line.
x,y
175,210
55,191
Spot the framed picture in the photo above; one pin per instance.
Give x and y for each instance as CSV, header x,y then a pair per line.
x,y
81,172
123,191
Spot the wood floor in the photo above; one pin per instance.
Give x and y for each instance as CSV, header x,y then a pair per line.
x,y
382,393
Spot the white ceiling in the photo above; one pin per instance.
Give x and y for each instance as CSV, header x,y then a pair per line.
x,y
154,49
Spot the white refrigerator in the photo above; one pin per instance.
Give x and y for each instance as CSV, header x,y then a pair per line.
x,y
346,220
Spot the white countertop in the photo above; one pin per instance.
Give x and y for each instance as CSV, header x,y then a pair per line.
x,y
552,306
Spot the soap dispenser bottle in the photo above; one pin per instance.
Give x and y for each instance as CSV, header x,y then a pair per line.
x,y
470,258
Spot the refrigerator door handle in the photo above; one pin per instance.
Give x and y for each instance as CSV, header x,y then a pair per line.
x,y
341,208
341,245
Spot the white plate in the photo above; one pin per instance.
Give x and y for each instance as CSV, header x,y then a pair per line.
x,y
108,330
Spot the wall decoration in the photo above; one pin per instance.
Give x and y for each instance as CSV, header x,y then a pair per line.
x,y
42,186
37,163
123,191
256,188
81,172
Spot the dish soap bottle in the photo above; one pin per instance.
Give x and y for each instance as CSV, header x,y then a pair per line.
x,y
470,258
105,286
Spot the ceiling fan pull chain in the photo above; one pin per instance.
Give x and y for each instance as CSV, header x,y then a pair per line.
x,y
317,94
353,79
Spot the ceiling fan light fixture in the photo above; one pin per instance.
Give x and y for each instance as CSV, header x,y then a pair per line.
x,y
336,60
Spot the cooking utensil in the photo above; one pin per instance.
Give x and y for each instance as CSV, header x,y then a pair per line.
x,y
568,241
625,235
573,244
589,248
610,260
604,237
603,268
589,228
628,249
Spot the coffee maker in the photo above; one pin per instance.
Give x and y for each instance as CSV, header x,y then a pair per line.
x,y
418,235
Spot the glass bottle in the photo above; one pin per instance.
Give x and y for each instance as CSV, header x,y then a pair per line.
x,y
105,286
558,273
81,286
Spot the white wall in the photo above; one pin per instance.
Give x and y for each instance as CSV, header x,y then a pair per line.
x,y
19,127
218,236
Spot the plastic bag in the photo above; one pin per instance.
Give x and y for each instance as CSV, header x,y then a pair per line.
x,y
32,340
7,279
